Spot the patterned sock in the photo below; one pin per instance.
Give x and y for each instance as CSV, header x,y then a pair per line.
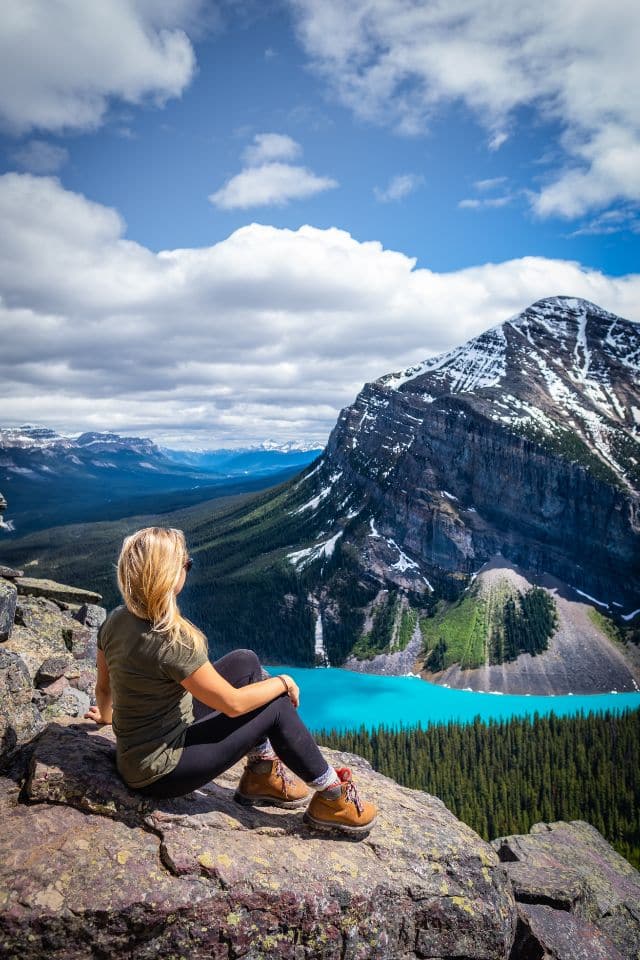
x,y
327,783
261,751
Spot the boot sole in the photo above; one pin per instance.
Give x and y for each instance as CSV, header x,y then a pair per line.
x,y
266,801
332,827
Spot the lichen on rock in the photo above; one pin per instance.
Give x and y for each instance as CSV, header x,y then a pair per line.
x,y
258,879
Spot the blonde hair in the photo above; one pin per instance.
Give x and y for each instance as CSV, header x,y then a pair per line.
x,y
149,568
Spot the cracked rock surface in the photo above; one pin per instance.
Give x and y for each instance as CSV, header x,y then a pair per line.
x,y
85,860
577,898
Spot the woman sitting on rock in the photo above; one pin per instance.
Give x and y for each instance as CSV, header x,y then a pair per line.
x,y
180,720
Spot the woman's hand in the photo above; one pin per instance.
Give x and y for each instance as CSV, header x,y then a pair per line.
x,y
210,687
294,690
94,714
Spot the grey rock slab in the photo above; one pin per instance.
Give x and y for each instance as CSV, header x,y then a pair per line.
x,y
74,762
81,674
52,668
83,643
70,882
34,648
35,587
10,572
91,615
575,861
42,631
8,600
69,703
420,877
558,935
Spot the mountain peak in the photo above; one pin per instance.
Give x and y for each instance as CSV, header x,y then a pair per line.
x,y
566,304
562,366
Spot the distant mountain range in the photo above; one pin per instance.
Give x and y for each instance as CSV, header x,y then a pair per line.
x,y
476,515
48,478
263,458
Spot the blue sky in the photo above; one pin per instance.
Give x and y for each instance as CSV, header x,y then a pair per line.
x,y
476,160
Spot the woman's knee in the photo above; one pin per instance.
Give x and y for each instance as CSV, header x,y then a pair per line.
x,y
239,666
247,660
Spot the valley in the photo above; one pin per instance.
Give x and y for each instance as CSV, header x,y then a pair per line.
x,y
460,522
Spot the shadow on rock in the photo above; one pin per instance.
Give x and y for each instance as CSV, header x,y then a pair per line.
x,y
74,763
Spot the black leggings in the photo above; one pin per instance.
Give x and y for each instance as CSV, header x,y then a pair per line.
x,y
214,742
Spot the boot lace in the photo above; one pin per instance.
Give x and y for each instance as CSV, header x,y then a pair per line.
x,y
351,791
284,776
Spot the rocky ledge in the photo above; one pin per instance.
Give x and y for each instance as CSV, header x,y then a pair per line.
x,y
89,868
47,654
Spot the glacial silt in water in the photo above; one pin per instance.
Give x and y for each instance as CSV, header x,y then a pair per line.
x,y
337,698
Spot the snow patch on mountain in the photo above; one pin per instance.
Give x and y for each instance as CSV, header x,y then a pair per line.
x,y
301,558
478,363
321,495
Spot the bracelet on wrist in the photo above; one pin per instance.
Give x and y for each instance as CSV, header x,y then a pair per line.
x,y
286,685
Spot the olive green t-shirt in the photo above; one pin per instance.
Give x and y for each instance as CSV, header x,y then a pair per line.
x,y
151,710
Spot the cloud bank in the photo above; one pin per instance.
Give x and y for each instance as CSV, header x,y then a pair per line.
x,y
265,334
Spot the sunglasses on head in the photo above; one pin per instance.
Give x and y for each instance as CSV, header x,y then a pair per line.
x,y
188,564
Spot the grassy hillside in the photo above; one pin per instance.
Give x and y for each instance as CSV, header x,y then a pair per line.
x,y
488,624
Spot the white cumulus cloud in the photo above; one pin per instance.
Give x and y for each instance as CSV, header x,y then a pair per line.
x,y
61,63
268,333
572,62
267,147
268,181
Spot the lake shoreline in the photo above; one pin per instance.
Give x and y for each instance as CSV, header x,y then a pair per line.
x,y
342,699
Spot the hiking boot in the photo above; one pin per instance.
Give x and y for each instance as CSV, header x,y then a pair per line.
x,y
346,812
275,787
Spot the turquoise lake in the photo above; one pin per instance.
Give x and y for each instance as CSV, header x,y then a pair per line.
x,y
330,697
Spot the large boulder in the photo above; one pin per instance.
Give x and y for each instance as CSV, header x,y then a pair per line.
x,y
50,671
19,718
8,599
200,876
577,898
42,631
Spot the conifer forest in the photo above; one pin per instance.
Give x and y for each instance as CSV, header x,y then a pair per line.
x,y
501,777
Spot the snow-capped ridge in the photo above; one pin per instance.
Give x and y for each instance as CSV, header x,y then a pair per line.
x,y
563,371
478,363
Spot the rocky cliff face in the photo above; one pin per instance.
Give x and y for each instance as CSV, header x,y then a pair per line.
x,y
89,868
525,442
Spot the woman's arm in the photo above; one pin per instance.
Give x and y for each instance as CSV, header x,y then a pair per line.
x,y
103,712
210,687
